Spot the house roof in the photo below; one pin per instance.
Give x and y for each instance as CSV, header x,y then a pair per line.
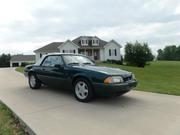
x,y
89,38
23,58
52,47
68,41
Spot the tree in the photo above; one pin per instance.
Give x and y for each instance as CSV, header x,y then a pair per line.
x,y
171,52
138,54
178,53
160,54
5,60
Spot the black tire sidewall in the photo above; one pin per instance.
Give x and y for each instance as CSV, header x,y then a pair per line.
x,y
37,85
90,90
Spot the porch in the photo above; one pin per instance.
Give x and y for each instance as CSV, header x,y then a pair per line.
x,y
94,54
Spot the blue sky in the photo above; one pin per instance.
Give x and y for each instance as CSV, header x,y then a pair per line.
x,y
26,25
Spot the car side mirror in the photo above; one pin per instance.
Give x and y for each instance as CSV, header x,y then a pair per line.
x,y
59,66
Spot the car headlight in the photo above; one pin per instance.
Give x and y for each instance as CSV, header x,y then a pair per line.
x,y
113,79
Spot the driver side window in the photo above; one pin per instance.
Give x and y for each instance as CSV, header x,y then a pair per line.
x,y
51,61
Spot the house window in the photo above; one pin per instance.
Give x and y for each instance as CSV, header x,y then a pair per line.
x,y
109,52
84,42
40,55
69,51
115,52
95,42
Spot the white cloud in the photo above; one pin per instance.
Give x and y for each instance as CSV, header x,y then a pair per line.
x,y
32,23
11,10
177,11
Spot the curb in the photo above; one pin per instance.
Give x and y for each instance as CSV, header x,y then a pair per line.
x,y
26,128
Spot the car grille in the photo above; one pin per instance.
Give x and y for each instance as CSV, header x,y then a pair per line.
x,y
128,78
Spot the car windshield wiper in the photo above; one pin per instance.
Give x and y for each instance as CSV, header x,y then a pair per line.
x,y
73,63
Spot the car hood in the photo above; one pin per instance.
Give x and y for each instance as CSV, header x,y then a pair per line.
x,y
106,70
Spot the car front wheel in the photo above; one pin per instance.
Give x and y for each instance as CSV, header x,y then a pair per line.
x,y
34,83
83,90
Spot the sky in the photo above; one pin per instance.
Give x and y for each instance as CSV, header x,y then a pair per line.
x,y
26,25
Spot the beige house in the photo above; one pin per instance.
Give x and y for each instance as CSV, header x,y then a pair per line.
x,y
17,60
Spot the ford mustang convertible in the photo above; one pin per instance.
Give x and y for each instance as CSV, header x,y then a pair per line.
x,y
80,74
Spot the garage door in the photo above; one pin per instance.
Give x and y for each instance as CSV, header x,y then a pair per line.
x,y
15,64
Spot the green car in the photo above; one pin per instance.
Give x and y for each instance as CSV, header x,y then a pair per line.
x,y
79,73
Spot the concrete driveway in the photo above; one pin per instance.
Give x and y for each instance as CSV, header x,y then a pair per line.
x,y
50,111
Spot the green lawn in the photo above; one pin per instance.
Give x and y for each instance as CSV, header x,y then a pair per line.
x,y
8,124
159,77
20,69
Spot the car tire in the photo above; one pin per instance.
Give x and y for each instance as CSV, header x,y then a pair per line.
x,y
34,83
83,90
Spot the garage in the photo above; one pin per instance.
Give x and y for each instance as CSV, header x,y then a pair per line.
x,y
15,64
17,60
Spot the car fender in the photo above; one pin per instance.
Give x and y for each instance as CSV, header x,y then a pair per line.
x,y
83,75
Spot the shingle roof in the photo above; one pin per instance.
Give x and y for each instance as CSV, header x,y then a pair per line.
x,y
23,58
52,47
89,38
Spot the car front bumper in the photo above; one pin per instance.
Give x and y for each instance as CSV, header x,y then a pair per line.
x,y
114,89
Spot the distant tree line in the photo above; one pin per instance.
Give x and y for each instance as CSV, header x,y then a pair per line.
x,y
170,53
5,60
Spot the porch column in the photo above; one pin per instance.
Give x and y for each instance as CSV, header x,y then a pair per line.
x,y
11,64
93,54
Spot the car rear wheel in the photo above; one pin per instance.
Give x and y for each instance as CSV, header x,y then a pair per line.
x,y
34,83
83,90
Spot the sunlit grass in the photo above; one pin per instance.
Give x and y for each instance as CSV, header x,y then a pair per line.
x,y
8,124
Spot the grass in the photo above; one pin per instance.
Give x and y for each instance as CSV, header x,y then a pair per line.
x,y
8,124
20,69
160,77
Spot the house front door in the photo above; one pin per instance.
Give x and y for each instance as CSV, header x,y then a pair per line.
x,y
96,54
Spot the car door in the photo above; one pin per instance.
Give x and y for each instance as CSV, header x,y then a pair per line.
x,y
52,71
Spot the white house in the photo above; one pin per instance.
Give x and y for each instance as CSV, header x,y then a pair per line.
x,y
91,46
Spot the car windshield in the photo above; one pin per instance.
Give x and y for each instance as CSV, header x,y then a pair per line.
x,y
77,60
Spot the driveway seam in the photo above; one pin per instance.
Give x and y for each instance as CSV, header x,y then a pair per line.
x,y
50,108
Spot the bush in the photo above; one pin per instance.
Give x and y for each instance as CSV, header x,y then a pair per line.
x,y
23,64
115,62
137,54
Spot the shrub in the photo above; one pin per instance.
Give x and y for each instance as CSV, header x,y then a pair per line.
x,y
137,54
23,64
115,62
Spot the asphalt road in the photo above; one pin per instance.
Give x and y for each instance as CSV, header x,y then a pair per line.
x,y
50,111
